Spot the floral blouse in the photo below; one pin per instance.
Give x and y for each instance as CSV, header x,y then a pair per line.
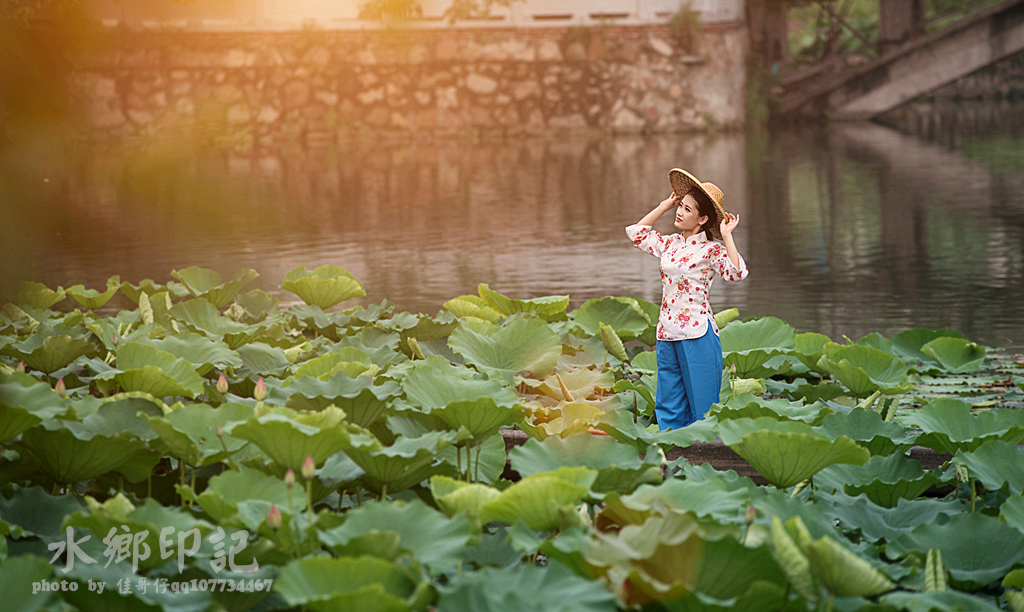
x,y
688,265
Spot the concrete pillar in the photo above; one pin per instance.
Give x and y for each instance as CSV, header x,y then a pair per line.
x,y
898,21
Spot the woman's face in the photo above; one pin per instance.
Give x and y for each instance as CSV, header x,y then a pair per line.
x,y
688,218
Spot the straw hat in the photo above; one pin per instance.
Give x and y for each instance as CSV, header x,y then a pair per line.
x,y
683,183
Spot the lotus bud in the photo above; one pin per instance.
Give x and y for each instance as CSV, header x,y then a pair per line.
x,y
274,518
751,515
222,384
220,434
309,468
289,478
21,367
260,393
732,369
61,388
114,339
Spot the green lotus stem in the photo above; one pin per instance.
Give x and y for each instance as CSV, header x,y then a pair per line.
x,y
384,492
785,597
309,499
458,460
149,486
974,493
476,476
359,498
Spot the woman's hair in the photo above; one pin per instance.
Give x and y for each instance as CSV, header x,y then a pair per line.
x,y
705,207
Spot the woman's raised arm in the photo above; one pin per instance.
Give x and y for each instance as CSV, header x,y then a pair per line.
x,y
666,205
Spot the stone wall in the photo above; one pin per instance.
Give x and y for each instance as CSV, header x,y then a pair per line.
x,y
259,90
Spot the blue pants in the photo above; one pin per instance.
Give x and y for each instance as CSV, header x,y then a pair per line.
x,y
689,379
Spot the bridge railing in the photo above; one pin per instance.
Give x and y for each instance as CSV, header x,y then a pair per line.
x,y
344,14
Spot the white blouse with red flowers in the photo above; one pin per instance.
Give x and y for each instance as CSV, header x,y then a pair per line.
x,y
688,265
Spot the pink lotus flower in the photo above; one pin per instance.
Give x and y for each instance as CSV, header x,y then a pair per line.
x,y
21,367
308,468
222,383
274,518
260,393
289,478
61,388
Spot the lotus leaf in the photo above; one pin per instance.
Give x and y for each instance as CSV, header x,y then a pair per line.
x,y
525,589
864,370
1012,512
324,286
747,405
619,468
147,286
612,343
715,498
480,417
261,360
869,430
208,284
995,464
956,355
289,438
645,388
435,382
787,452
405,463
543,501
471,306
141,367
622,314
362,401
38,296
456,497
547,306
725,317
522,346
366,584
258,305
16,583
939,601
203,317
646,362
884,479
226,491
947,426
750,344
619,424
877,524
71,451
149,517
26,402
203,353
579,382
91,298
976,549
809,348
49,349
435,540
36,513
574,417
190,432
349,360
844,573
908,344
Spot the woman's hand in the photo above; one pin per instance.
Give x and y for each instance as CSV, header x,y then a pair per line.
x,y
671,201
729,223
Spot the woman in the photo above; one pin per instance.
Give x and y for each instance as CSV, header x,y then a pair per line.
x,y
689,351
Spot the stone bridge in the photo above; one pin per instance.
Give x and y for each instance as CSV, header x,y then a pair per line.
x,y
915,68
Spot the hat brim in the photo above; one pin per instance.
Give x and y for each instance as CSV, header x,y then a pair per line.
x,y
682,183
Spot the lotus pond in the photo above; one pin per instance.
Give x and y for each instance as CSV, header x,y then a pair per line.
x,y
203,448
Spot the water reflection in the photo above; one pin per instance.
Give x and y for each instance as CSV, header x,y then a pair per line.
x,y
846,231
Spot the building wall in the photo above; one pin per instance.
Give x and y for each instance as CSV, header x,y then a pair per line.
x,y
259,89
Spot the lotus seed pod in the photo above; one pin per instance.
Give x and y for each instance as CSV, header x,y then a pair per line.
x,y
61,388
260,392
21,367
222,383
308,468
274,518
289,478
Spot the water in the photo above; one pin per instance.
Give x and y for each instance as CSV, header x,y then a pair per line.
x,y
846,230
